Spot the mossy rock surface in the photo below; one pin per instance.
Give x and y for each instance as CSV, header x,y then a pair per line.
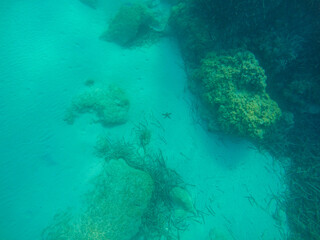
x,y
234,90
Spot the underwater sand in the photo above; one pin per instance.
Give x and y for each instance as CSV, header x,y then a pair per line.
x,y
48,50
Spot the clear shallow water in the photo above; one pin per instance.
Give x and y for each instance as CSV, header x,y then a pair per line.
x,y
48,49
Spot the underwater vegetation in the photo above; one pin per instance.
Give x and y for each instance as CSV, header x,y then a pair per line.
x,y
243,91
302,91
234,89
171,205
193,33
134,196
110,106
300,143
134,24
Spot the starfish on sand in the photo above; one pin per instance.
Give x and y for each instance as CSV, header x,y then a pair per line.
x,y
166,115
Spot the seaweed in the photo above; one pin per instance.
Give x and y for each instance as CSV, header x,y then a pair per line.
x,y
163,207
168,212
301,144
284,37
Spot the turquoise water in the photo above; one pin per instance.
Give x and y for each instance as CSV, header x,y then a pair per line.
x,y
48,50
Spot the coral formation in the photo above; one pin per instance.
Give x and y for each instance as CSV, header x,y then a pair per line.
x,y
110,106
171,205
119,199
124,198
132,23
233,87
284,36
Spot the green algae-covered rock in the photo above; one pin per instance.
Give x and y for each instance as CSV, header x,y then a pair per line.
x,y
130,23
111,106
233,88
